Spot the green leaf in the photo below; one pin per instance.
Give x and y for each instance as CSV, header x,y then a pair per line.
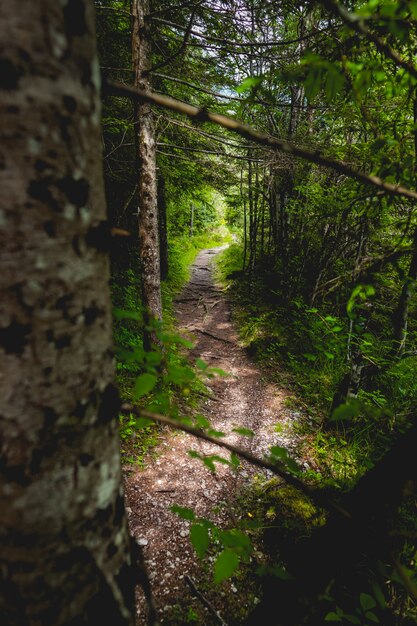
x,y
366,601
371,616
379,596
179,375
215,433
246,432
123,314
249,83
202,365
334,82
199,538
153,358
217,370
234,460
352,619
379,143
279,452
226,564
345,412
236,539
361,293
312,83
201,422
144,384
332,617
143,422
183,512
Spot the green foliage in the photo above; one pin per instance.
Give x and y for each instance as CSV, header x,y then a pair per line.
x,y
235,545
136,440
225,566
326,258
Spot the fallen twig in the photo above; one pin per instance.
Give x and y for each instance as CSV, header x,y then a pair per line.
x,y
197,593
206,332
276,468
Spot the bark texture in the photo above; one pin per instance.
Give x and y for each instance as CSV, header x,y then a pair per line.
x,y
65,556
147,180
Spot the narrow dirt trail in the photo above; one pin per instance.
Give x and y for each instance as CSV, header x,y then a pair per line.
x,y
244,399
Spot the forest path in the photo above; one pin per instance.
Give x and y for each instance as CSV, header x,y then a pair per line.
x,y
244,398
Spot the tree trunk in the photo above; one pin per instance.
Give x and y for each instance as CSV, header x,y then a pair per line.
x,y
147,185
162,223
400,317
191,220
65,554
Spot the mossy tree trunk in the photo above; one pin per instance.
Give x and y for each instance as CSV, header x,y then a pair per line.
x,y
65,555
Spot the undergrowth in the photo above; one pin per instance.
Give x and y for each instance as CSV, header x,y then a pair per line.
x,y
162,381
304,347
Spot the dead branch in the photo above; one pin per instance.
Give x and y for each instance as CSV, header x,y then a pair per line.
x,y
204,600
276,468
246,131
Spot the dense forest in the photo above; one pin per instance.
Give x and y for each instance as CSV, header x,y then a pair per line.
x,y
208,323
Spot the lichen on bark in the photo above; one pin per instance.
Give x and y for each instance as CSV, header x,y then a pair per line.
x,y
65,554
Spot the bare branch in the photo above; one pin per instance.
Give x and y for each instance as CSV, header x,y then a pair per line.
x,y
100,7
187,34
200,132
197,593
238,44
246,131
276,468
215,152
197,87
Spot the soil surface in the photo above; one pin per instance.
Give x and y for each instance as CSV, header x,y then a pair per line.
x,y
244,398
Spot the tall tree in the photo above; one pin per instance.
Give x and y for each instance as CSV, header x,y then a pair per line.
x,y
65,555
147,179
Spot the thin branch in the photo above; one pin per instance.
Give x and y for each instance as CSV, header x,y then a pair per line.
x,y
184,158
246,131
197,87
106,156
222,95
117,69
187,34
126,204
197,593
276,468
202,133
215,152
238,44
99,7
215,94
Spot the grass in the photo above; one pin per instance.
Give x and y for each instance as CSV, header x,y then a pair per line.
x,y
177,384
305,349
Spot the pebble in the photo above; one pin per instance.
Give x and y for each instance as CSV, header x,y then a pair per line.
x,y
142,541
183,533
